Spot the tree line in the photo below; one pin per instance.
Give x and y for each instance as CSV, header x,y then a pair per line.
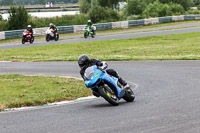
x,y
100,11
20,19
104,10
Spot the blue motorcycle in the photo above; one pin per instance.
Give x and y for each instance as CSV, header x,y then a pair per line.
x,y
106,86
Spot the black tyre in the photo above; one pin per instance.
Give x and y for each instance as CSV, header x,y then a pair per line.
x,y
57,37
32,40
23,40
111,98
129,95
47,38
85,35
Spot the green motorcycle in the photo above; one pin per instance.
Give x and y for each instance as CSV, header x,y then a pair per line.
x,y
89,32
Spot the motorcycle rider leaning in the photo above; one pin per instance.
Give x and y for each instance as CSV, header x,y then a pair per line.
x,y
52,26
84,62
29,28
91,26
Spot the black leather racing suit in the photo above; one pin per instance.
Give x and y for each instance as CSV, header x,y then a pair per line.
x,y
55,29
109,71
31,31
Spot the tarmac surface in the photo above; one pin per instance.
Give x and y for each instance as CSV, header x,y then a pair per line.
x,y
167,100
167,96
110,36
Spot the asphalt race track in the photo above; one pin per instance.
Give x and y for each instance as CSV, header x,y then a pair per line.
x,y
167,96
167,101
101,38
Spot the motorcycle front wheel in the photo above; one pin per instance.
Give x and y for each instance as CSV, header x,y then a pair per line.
x,y
108,96
23,40
129,95
47,38
85,35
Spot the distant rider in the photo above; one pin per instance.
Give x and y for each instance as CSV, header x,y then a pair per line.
x,y
91,26
52,26
84,62
29,28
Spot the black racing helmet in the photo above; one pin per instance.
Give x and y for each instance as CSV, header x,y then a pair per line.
x,y
83,61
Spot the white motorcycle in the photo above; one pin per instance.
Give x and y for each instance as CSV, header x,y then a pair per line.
x,y
51,36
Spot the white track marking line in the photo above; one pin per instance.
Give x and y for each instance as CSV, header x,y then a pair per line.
x,y
136,85
14,110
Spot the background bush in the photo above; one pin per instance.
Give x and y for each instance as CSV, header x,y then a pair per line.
x,y
18,18
3,25
158,9
135,7
59,21
185,3
1,18
193,12
84,5
101,14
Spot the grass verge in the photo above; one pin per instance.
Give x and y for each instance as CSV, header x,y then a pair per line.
x,y
184,46
18,90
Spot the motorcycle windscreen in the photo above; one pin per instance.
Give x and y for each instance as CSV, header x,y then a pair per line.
x,y
91,76
89,72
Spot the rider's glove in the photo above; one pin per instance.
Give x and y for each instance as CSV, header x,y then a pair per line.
x,y
103,65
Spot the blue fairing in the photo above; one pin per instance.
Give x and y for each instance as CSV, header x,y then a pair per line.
x,y
96,76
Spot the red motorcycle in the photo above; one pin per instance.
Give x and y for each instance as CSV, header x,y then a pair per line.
x,y
27,37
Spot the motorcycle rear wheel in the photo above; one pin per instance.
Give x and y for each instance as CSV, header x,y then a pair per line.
x,y
93,35
108,96
57,37
32,40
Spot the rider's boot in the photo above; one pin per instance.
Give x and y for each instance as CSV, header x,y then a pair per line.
x,y
124,83
93,32
31,37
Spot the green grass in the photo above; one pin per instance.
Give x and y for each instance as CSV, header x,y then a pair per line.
x,y
18,90
165,47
